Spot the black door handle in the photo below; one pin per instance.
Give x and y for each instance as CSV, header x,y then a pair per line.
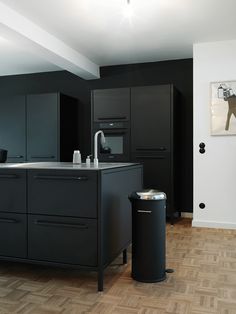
x,y
8,220
150,157
47,223
45,177
112,118
8,176
157,149
17,156
43,157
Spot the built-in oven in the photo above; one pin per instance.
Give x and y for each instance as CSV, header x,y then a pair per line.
x,y
117,144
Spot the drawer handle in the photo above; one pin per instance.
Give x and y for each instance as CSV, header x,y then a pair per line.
x,y
8,221
150,157
59,224
8,176
111,118
161,148
17,156
44,177
144,211
49,157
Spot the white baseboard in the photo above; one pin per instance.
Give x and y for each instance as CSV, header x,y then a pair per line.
x,y
186,215
213,224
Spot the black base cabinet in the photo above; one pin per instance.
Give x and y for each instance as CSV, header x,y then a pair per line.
x,y
13,235
69,218
62,239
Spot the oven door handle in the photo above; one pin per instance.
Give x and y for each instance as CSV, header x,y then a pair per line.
x,y
114,131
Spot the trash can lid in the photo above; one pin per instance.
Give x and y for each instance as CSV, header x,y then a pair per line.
x,y
148,195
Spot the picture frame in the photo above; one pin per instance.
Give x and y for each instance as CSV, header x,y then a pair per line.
x,y
223,108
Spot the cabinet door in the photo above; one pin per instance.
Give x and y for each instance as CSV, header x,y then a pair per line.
x,y
64,193
12,127
13,235
111,104
62,239
156,172
13,190
42,127
150,118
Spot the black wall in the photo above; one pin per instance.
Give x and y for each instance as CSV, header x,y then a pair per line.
x,y
177,72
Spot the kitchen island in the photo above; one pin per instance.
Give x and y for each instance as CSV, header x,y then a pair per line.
x,y
67,215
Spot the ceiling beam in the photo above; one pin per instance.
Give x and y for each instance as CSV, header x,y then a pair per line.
x,y
31,37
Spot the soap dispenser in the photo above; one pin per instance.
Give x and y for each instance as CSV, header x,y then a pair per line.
x,y
88,160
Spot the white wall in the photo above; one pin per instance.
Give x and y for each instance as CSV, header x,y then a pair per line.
x,y
214,171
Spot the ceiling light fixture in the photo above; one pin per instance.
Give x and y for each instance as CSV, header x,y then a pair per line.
x,y
128,12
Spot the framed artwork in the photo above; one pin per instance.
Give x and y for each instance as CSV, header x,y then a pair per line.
x,y
223,108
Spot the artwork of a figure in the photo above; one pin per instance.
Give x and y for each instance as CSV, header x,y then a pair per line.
x,y
232,109
223,108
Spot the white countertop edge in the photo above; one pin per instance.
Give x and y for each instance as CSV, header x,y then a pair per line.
x,y
64,165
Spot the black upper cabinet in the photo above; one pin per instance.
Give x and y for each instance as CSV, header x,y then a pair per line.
x,y
151,118
12,127
42,127
111,104
39,127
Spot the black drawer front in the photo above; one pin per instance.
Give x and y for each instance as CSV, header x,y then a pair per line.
x,y
13,235
13,190
63,193
62,239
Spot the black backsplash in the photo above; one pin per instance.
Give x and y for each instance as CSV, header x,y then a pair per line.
x,y
177,72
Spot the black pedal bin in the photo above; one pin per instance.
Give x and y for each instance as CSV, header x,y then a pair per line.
x,y
148,235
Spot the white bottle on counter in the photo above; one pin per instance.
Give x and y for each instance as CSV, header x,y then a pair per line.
x,y
76,157
88,161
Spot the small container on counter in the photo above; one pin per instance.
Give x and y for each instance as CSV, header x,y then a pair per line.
x,y
76,157
88,161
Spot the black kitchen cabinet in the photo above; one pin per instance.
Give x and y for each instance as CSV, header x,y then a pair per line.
x,y
13,190
13,235
13,225
75,192
154,139
41,127
156,172
151,118
12,127
62,239
75,218
111,104
51,127
152,134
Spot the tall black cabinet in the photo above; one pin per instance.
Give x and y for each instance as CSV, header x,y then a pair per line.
x,y
154,138
154,129
40,127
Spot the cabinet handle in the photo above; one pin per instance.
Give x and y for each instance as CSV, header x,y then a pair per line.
x,y
44,177
17,156
59,224
8,176
111,118
144,211
157,149
150,157
8,221
48,157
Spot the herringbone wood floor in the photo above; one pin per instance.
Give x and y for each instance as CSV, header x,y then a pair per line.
x,y
204,281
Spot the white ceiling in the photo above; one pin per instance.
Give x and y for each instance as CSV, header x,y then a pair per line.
x,y
158,30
